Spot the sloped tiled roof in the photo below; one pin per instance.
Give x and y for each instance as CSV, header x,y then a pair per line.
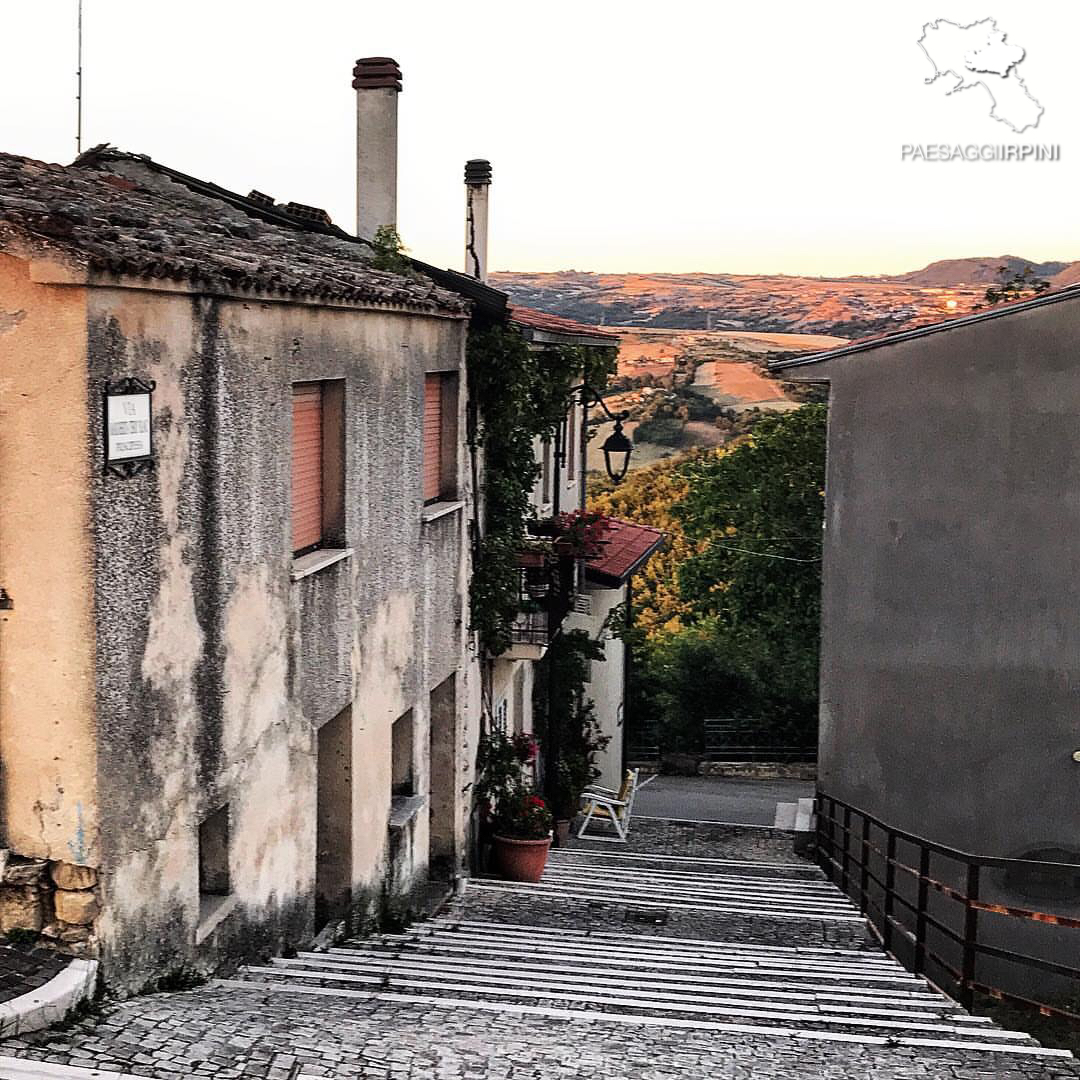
x,y
124,214
626,546
556,325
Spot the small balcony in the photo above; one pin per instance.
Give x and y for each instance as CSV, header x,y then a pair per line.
x,y
545,597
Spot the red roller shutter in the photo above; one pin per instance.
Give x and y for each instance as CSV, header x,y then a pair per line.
x,y
307,466
433,410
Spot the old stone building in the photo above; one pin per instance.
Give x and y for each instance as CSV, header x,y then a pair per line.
x,y
234,677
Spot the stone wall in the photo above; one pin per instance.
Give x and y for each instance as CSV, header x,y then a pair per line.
x,y
58,900
759,770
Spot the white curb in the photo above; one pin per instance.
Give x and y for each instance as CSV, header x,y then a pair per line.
x,y
28,1069
50,1003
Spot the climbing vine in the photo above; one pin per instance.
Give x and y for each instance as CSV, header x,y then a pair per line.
x,y
515,396
566,720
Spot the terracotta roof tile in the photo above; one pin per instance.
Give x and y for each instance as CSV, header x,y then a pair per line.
x,y
125,214
556,324
626,547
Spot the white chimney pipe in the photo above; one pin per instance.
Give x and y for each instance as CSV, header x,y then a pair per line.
x,y
377,81
477,183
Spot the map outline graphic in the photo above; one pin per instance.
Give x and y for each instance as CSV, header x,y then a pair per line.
x,y
978,54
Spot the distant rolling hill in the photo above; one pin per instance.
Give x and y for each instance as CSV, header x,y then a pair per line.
x,y
981,271
840,307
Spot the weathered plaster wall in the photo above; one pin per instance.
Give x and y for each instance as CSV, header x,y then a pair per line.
x,y
47,740
223,667
605,685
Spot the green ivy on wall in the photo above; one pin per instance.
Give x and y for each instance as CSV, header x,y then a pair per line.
x,y
516,394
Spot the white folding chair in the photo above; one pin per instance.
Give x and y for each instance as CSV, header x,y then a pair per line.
x,y
611,807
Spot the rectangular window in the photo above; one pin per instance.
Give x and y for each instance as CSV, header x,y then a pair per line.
x,y
214,854
440,436
401,754
318,475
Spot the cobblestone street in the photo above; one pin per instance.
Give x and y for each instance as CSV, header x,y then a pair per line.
x,y
693,952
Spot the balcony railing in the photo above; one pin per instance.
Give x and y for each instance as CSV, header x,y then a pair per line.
x,y
545,597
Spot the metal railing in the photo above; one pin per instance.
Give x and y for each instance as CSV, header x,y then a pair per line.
x,y
864,856
545,597
739,740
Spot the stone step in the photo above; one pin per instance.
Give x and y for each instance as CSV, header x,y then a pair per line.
x,y
574,973
747,882
657,899
799,997
642,959
786,814
632,859
607,999
603,1007
639,941
744,983
973,1042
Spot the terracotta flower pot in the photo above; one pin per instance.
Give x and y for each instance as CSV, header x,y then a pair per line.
x,y
521,860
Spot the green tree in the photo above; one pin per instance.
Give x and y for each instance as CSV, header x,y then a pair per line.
x,y
759,510
1019,285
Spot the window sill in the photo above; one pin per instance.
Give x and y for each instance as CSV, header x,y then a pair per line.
x,y
213,911
314,561
436,510
404,809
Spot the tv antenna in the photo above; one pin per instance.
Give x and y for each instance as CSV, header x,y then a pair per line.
x,y
78,91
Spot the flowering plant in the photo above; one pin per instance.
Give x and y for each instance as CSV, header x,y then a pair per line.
x,y
522,815
580,534
524,748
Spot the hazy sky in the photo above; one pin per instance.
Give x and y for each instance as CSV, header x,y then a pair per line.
x,y
625,135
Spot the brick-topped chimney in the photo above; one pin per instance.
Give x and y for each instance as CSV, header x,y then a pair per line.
x,y
477,183
377,81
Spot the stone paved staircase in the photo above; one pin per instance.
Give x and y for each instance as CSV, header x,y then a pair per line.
x,y
587,971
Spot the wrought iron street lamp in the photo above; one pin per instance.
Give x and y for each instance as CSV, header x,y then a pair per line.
x,y
617,447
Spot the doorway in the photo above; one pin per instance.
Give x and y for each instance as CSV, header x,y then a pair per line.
x,y
333,833
444,844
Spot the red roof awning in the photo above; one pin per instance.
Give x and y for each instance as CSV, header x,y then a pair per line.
x,y
626,548
558,326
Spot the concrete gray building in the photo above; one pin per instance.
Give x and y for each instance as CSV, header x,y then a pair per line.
x,y
950,669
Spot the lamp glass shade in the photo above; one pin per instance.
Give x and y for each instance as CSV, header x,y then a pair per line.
x,y
617,448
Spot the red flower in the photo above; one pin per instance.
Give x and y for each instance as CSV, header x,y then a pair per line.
x,y
535,800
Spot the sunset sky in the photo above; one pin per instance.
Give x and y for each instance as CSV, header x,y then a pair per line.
x,y
625,136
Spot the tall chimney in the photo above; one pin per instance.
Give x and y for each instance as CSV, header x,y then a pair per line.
x,y
377,81
477,182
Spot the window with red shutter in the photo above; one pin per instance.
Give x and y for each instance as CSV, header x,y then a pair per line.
x,y
433,436
440,436
307,466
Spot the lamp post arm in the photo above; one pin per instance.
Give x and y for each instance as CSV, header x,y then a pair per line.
x,y
590,397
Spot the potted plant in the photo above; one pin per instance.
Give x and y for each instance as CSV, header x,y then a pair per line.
x,y
522,835
580,534
504,763
565,801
